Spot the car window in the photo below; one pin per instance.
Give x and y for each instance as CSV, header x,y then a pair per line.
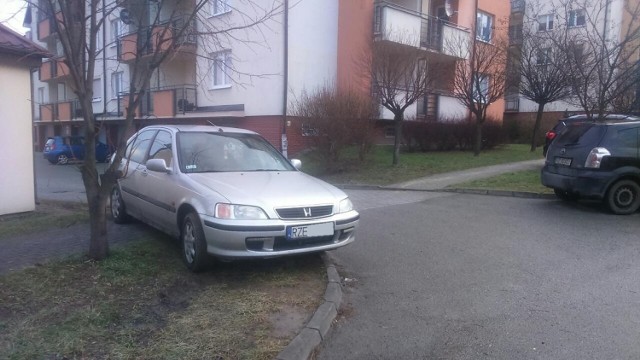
x,y
50,141
228,152
161,147
581,134
622,141
137,149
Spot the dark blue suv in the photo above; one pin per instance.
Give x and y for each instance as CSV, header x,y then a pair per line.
x,y
597,160
62,149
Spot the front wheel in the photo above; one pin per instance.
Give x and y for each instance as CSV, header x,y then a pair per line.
x,y
623,198
118,212
62,159
194,244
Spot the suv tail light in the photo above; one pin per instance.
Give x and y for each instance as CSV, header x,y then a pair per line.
x,y
594,159
550,135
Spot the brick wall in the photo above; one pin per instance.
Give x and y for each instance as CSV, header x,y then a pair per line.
x,y
519,126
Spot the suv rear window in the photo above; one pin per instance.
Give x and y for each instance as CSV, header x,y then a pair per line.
x,y
581,134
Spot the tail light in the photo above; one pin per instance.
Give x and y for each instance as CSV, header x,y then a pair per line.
x,y
550,135
594,159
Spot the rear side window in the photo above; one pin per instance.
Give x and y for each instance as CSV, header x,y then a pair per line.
x,y
622,141
581,134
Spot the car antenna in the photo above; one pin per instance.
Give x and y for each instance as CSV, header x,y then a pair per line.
x,y
210,123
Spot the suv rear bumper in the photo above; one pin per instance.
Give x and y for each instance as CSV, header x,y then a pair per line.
x,y
585,183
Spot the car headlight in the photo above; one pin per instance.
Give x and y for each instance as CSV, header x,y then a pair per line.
x,y
345,206
239,212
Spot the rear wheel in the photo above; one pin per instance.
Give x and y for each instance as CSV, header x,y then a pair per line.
x,y
623,198
194,245
62,159
118,211
565,195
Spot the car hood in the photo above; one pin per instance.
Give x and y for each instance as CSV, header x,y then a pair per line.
x,y
270,189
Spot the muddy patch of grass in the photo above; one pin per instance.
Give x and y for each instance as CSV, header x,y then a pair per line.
x,y
141,302
48,215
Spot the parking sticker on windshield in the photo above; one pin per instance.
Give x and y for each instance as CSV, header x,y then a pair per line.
x,y
191,167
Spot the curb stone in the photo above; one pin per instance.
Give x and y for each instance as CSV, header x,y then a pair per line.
x,y
518,194
314,332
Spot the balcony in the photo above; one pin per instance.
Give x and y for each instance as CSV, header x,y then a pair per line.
x,y
58,111
164,102
158,36
46,26
396,24
51,70
512,103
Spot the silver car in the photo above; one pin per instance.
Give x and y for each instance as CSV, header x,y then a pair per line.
x,y
227,192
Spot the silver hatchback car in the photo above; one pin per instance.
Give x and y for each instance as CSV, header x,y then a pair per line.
x,y
228,193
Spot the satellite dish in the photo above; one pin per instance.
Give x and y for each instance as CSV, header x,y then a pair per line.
x,y
448,8
125,17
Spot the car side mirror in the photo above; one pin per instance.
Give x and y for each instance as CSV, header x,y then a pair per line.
x,y
296,164
158,165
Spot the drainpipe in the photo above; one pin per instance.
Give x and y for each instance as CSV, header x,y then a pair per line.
x,y
474,29
104,67
283,140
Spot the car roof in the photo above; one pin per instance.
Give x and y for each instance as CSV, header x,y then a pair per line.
x,y
607,118
200,128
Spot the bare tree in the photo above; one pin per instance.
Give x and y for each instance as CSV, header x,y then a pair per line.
x,y
540,74
335,118
400,76
601,51
481,80
160,27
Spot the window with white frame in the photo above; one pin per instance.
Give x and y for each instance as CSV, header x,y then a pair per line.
x,y
220,69
543,56
117,85
481,88
220,6
545,22
484,26
97,90
117,29
576,18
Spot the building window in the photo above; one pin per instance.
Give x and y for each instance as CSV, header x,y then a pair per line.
x,y
220,69
576,18
116,84
220,7
545,22
117,29
484,26
309,130
543,57
481,88
97,90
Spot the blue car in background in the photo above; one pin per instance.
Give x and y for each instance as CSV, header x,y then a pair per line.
x,y
62,149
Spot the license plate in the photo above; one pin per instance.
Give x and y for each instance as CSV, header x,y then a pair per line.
x,y
562,161
305,231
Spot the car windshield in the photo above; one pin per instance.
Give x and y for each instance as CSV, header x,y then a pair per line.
x,y
227,152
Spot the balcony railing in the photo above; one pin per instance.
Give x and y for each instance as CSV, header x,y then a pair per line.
x,y
163,102
397,24
57,111
53,70
146,41
512,103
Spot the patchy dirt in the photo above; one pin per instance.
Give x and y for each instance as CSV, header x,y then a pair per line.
x,y
289,321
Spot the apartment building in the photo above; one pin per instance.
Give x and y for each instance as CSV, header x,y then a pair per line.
x,y
607,19
250,78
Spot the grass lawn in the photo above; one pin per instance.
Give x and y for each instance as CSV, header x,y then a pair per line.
x,y
377,169
48,214
142,303
527,181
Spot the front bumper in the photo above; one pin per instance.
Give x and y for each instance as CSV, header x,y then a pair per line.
x,y
585,183
267,238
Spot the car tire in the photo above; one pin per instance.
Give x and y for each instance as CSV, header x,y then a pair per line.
x,y
118,210
194,246
623,197
565,195
62,159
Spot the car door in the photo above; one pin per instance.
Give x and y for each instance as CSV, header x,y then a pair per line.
x,y
132,181
160,190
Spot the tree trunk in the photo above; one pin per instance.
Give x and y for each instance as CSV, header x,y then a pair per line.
x,y
477,146
397,122
97,201
536,126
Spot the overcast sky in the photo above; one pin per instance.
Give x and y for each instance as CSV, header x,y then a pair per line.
x,y
12,14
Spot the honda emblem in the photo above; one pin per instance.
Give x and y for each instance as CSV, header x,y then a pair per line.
x,y
307,212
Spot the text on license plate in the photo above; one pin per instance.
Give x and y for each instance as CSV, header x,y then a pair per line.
x,y
563,161
304,231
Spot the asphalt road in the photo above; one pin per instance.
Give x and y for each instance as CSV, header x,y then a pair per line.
x,y
60,182
472,277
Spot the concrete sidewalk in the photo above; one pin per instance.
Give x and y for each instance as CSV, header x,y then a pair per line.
x,y
441,181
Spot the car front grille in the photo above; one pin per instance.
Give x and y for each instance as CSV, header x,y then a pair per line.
x,y
310,212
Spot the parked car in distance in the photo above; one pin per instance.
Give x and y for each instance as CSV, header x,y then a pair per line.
x,y
597,160
562,124
62,149
228,193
